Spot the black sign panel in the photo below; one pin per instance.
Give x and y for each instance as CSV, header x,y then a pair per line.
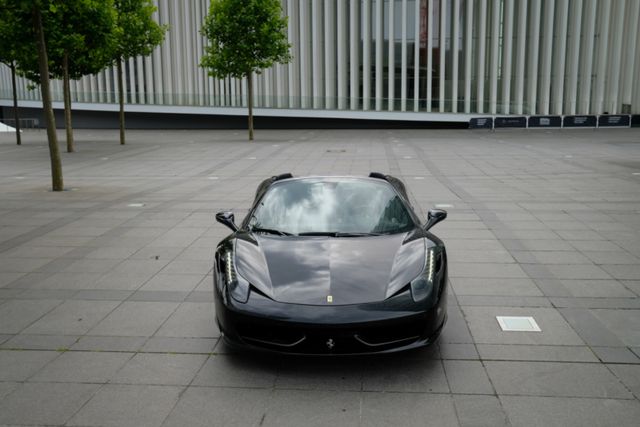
x,y
481,123
635,121
545,121
580,121
511,122
613,120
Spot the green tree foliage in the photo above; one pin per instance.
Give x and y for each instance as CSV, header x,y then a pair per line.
x,y
80,36
29,35
245,37
137,34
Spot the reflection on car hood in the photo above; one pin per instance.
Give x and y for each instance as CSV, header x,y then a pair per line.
x,y
352,270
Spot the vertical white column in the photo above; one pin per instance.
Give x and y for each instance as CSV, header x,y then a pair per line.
x,y
416,58
167,80
429,69
546,56
573,60
443,51
560,54
615,62
520,56
106,74
140,78
630,61
318,53
366,55
330,54
534,42
507,50
482,48
354,63
132,82
494,56
342,54
455,52
392,54
468,58
187,45
379,53
199,50
586,67
305,55
602,57
293,33
403,66
100,79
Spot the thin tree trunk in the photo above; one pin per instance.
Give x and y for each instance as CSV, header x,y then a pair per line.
x,y
16,115
121,100
54,152
250,104
67,103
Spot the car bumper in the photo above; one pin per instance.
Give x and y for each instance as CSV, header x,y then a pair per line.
x,y
396,324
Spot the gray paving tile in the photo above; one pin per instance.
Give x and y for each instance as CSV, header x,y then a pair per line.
x,y
40,342
83,367
180,345
72,318
206,407
541,353
191,320
494,286
160,369
615,355
172,282
319,374
477,411
467,377
313,408
135,319
20,365
97,343
38,403
127,405
629,375
562,411
238,371
625,324
16,315
555,379
410,375
7,388
457,351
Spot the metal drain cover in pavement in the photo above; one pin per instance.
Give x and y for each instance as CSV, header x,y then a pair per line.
x,y
518,324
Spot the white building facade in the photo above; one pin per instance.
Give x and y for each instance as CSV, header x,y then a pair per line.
x,y
396,59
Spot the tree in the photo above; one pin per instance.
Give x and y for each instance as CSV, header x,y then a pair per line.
x,y
79,36
245,37
29,28
137,34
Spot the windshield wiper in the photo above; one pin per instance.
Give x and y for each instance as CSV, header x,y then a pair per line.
x,y
337,234
269,231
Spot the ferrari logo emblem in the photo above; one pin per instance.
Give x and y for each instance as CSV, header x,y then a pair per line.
x,y
329,299
330,343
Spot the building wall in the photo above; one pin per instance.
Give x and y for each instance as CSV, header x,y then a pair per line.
x,y
426,56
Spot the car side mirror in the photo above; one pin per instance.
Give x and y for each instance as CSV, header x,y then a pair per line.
x,y
434,217
227,218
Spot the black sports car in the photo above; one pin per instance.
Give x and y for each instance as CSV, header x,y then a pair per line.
x,y
331,265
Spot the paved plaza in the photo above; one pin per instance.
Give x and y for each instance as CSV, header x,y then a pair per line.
x,y
106,313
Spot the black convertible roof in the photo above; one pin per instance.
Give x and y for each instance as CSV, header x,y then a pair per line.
x,y
395,182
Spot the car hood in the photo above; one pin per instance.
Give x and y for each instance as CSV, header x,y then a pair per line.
x,y
307,270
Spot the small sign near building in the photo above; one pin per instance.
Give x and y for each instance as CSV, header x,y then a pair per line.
x,y
580,121
511,122
481,123
614,120
545,121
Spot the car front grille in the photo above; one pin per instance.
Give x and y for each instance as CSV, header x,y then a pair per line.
x,y
331,339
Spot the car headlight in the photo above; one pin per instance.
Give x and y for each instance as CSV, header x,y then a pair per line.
x,y
422,286
237,286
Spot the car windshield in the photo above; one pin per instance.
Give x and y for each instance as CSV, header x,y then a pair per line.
x,y
340,207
